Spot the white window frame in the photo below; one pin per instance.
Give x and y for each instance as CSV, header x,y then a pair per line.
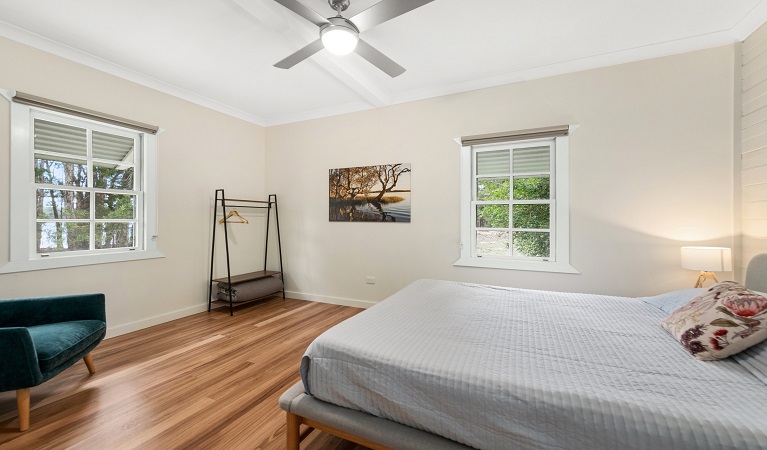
x,y
560,217
23,256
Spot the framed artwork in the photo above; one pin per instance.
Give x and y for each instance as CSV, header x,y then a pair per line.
x,y
370,193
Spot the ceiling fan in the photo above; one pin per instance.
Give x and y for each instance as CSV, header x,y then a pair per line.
x,y
341,35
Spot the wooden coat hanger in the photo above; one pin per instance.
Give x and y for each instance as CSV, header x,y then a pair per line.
x,y
231,214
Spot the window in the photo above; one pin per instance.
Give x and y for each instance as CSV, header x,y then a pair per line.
x,y
514,202
82,190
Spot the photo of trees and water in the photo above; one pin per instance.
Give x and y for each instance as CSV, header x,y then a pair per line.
x,y
370,193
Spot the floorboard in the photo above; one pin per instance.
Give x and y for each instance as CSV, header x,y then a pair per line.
x,y
205,381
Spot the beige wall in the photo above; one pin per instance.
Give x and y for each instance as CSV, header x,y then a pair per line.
x,y
199,151
753,145
651,170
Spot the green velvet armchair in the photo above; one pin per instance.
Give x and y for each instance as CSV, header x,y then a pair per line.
x,y
40,337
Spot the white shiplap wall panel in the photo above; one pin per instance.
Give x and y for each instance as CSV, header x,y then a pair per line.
x,y
754,70
755,193
754,176
754,118
754,159
759,77
755,229
751,52
759,102
755,61
755,211
756,37
755,92
755,131
756,143
753,163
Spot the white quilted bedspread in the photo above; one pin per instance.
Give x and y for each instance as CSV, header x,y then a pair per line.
x,y
503,368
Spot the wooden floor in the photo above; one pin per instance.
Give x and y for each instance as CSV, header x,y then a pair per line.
x,y
202,382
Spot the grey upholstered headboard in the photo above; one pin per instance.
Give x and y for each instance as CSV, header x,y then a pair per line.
x,y
756,274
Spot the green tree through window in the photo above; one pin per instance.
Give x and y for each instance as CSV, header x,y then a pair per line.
x,y
513,195
86,195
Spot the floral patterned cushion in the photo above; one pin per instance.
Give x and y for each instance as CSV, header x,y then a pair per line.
x,y
723,321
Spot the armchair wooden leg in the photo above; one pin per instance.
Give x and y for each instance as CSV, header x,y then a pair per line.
x,y
22,402
89,362
293,432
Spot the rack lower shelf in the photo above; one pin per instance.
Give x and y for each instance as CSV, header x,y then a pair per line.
x,y
239,302
250,276
248,287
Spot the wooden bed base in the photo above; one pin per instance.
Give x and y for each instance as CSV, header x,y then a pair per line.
x,y
356,426
295,436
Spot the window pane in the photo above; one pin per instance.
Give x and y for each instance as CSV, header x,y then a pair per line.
x,y
532,160
530,216
493,216
115,206
492,163
113,148
58,204
532,188
115,234
112,176
531,243
493,189
60,171
62,236
493,243
55,137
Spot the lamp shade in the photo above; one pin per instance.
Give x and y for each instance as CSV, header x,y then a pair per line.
x,y
709,259
339,39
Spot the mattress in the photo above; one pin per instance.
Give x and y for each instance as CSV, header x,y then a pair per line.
x,y
497,368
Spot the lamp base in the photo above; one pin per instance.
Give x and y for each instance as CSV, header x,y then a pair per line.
x,y
705,276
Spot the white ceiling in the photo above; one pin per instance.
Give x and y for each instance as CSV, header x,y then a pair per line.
x,y
219,53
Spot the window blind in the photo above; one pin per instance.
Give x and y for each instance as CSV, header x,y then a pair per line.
x,y
52,105
532,160
493,163
60,138
526,160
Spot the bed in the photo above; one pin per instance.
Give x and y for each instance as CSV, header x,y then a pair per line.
x,y
445,364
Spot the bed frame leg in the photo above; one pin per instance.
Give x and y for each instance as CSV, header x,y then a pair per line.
x,y
293,432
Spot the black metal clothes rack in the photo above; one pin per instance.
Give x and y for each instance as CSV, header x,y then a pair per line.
x,y
243,203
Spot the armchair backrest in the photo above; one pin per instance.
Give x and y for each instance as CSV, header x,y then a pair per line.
x,y
27,312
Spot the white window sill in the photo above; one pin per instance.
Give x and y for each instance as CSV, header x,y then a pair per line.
x,y
56,262
535,266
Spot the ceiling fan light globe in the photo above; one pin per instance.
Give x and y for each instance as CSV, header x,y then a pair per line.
x,y
339,40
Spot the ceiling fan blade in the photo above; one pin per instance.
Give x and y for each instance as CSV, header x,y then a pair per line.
x,y
383,11
378,59
300,55
303,11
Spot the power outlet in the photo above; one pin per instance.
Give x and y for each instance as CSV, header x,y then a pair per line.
x,y
370,280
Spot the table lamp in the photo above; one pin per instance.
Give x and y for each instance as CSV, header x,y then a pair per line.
x,y
707,260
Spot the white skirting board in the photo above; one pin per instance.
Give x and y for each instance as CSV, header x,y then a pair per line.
x,y
332,300
117,330
125,328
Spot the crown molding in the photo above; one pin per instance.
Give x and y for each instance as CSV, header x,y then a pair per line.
x,y
659,50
